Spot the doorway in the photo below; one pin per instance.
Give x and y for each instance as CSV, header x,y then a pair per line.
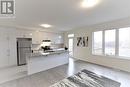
x,y
71,47
71,44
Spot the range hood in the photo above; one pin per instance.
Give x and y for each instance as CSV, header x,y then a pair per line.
x,y
46,42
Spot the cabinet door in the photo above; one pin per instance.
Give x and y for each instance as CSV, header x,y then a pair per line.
x,y
12,47
20,34
44,36
58,39
35,38
4,49
61,38
27,34
41,37
23,33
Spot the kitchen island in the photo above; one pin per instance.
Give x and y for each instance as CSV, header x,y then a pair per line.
x,y
37,62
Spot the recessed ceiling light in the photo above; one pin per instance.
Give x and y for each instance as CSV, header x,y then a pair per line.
x,y
89,3
45,25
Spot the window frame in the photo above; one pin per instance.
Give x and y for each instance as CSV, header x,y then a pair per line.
x,y
103,43
119,46
93,43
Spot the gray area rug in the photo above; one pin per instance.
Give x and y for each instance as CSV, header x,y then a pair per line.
x,y
86,78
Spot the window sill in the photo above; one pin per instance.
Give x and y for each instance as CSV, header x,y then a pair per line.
x,y
119,57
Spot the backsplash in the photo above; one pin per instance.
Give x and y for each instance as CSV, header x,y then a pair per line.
x,y
37,47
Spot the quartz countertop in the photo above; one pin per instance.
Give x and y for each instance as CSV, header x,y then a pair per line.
x,y
37,54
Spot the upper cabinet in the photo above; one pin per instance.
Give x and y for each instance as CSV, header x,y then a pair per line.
x,y
24,34
58,39
36,38
54,37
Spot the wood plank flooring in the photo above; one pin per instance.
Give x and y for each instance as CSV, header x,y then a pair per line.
x,y
12,72
49,77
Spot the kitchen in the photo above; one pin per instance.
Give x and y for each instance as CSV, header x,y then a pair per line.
x,y
46,56
8,45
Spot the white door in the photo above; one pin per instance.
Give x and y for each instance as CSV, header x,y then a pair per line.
x,y
71,47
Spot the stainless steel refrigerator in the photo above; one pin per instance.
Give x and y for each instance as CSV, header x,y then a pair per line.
x,y
23,48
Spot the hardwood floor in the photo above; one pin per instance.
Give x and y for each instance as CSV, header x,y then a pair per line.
x,y
12,72
49,77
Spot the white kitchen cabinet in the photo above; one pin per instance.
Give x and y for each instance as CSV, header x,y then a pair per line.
x,y
20,34
23,34
41,37
4,48
58,39
36,38
45,36
28,34
12,47
8,52
54,37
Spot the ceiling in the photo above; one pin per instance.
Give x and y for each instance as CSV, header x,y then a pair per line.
x,y
65,14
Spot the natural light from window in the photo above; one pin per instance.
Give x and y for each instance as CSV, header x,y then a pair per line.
x,y
124,42
70,44
114,42
97,46
110,42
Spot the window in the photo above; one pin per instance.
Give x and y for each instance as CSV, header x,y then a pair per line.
x,y
124,42
110,42
115,42
97,44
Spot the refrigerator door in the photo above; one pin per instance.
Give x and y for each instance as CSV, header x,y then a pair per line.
x,y
24,43
22,55
23,47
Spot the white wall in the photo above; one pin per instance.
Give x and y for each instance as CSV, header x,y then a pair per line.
x,y
86,52
8,52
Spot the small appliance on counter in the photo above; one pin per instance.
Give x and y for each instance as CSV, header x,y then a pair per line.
x,y
46,46
47,49
66,48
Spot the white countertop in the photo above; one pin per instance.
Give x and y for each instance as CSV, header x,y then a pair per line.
x,y
38,62
41,53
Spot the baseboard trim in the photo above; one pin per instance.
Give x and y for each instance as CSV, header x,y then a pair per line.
x,y
7,67
104,66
